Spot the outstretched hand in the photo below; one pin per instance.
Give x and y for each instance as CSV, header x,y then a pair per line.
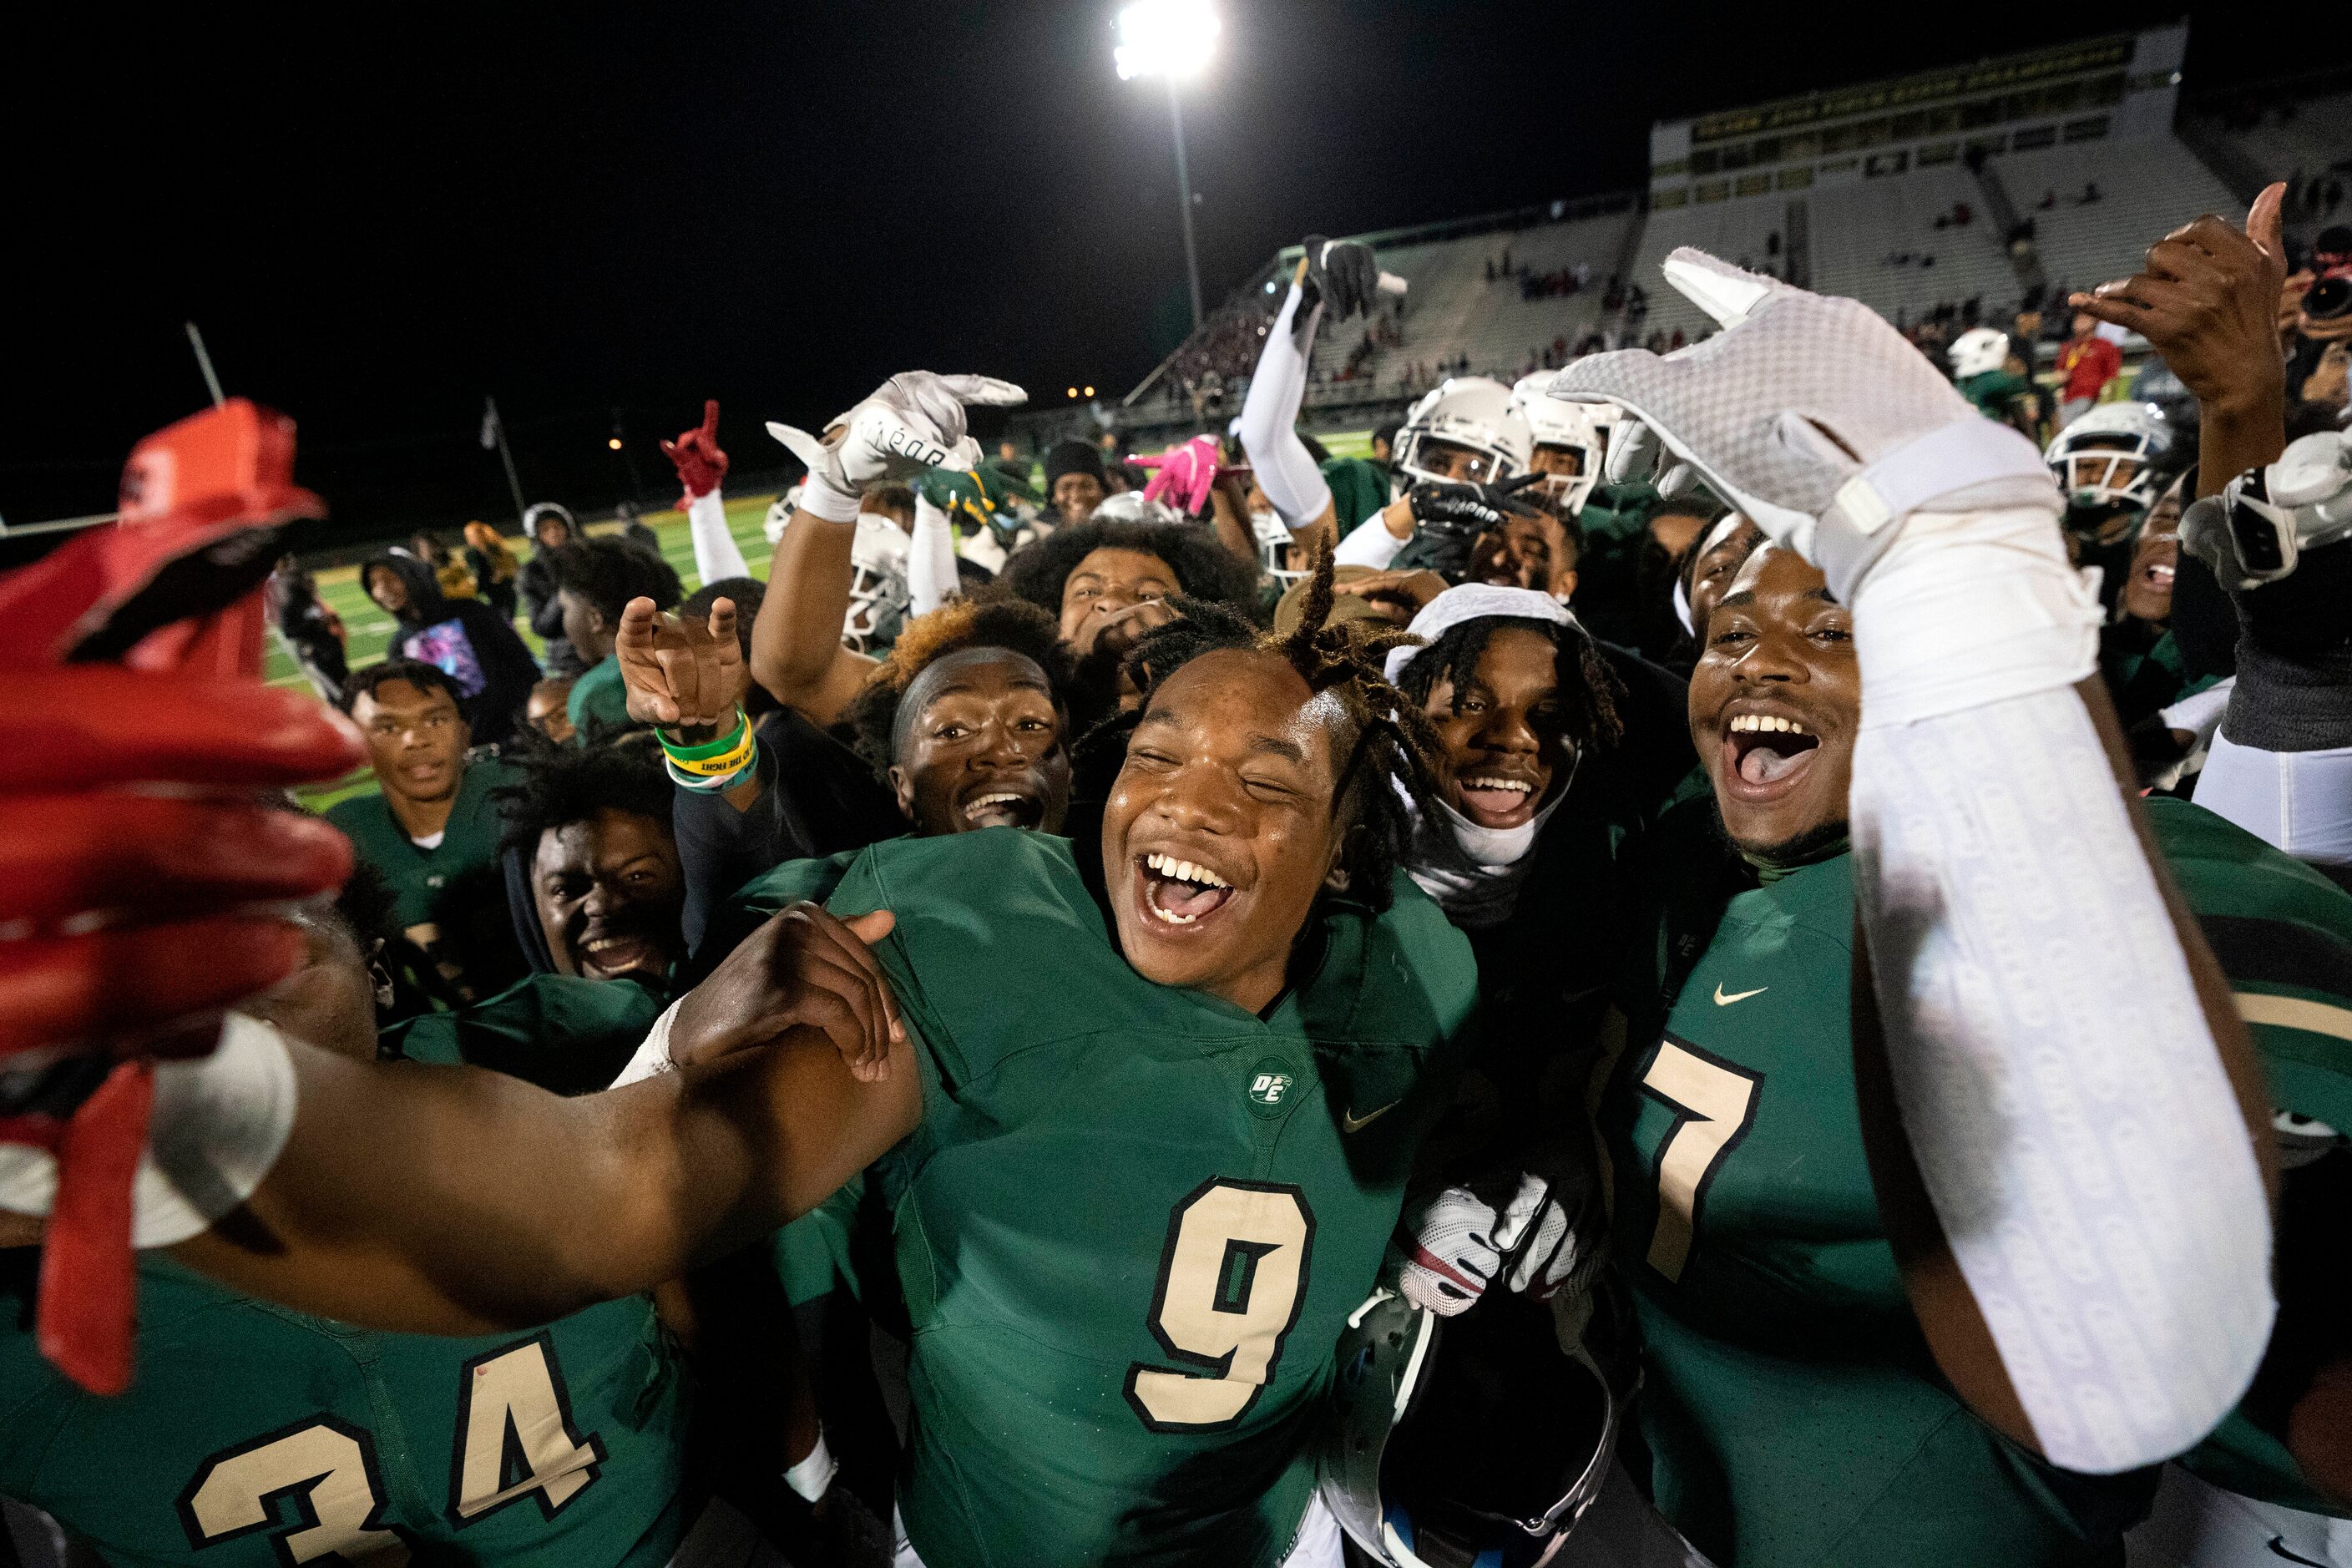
x,y
2208,300
911,422
805,967
696,455
681,673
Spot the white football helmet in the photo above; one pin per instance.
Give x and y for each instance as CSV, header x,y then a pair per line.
x,y
1579,428
1979,351
2112,456
879,595
1129,506
1472,411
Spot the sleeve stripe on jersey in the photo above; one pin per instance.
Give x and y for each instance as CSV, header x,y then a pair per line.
x,y
2259,952
2295,1013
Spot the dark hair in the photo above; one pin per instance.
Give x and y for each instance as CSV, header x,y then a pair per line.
x,y
422,676
1008,623
886,495
1587,687
564,785
1391,752
607,572
746,595
1387,434
1205,570
368,905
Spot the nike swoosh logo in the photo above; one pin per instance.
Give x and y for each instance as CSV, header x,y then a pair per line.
x,y
2278,1546
1351,1123
1723,1001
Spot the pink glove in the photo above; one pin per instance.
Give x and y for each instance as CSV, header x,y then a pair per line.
x,y
700,464
1185,474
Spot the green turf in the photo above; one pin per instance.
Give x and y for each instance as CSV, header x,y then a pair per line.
x,y
367,629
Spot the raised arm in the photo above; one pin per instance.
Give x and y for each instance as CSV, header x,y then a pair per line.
x,y
2073,1092
456,1200
701,466
912,422
1342,275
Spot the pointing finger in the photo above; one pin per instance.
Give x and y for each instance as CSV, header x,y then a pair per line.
x,y
710,419
985,390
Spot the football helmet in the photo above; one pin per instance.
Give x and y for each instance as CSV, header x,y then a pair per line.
x,y
2256,530
1980,350
879,595
1484,1450
1133,506
1469,411
1579,427
2113,457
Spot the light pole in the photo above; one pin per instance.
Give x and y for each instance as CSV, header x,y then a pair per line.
x,y
1172,39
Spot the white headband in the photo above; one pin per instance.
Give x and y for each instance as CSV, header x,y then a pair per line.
x,y
1475,602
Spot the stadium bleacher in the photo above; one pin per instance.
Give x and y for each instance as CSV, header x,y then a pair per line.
x,y
2145,187
1879,241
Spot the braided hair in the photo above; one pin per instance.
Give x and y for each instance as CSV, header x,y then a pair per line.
x,y
1589,688
1387,757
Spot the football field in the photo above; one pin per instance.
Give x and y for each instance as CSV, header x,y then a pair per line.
x,y
367,629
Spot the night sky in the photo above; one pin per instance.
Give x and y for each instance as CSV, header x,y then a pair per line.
x,y
378,215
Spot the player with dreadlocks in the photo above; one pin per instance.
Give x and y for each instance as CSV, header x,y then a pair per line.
x,y
1168,1111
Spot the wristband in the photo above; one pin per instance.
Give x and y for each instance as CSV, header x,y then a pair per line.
x,y
721,758
712,785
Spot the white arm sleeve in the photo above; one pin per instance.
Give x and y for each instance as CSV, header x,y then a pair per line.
x,y
2062,1095
716,554
1369,544
1286,471
932,560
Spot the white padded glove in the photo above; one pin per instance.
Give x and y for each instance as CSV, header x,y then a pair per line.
x,y
911,422
1547,1236
1811,415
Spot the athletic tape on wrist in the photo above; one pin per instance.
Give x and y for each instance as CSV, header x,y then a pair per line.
x,y
820,499
218,1125
1966,609
652,1057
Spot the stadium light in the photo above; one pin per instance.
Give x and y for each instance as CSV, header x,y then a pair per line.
x,y
1171,39
1165,37
614,442
1090,392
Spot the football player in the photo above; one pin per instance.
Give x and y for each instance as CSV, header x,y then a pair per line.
x,y
1947,1299
1990,376
2112,464
1571,443
1171,1119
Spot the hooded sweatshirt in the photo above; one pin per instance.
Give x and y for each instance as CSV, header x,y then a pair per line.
x,y
475,645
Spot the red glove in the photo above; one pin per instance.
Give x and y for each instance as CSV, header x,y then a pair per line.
x,y
1185,476
137,910
700,464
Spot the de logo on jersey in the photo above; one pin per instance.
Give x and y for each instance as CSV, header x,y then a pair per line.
x,y
1270,1086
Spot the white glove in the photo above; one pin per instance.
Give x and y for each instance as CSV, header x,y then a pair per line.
x,y
1811,415
1544,1238
911,422
2256,530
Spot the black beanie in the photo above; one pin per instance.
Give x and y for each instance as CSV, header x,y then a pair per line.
x,y
1073,458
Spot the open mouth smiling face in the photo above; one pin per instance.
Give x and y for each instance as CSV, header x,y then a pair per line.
x,y
1774,704
1504,729
978,745
1219,832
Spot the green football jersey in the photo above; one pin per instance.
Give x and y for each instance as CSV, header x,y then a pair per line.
x,y
559,1031
1996,392
255,1437
1360,487
1792,1409
600,696
450,899
1134,1219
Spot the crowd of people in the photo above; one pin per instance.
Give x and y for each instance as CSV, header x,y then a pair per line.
x,y
1492,1002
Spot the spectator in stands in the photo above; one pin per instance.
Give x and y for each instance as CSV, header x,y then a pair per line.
x,y
466,639
431,829
2087,363
594,581
1074,481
